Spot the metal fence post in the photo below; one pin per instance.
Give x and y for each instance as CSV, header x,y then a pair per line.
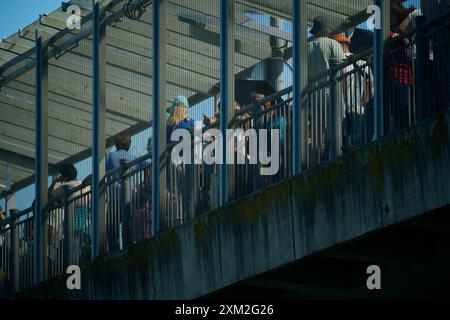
x,y
226,89
335,129
98,130
380,47
126,203
41,159
300,82
10,198
14,252
159,158
68,229
421,57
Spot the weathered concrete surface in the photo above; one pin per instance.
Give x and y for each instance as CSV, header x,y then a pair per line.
x,y
400,177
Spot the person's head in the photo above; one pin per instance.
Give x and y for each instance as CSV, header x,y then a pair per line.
x,y
343,41
68,171
123,141
177,115
321,27
178,110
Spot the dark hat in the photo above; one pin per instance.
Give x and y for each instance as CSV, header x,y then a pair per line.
x,y
68,170
321,25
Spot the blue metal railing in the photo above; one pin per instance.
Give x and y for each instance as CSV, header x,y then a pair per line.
x,y
338,109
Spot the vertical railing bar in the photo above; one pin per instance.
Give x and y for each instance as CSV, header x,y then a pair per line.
x,y
41,151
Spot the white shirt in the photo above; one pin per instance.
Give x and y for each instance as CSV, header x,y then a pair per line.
x,y
354,85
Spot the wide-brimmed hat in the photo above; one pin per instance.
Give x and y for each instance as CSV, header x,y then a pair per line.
x,y
180,101
321,25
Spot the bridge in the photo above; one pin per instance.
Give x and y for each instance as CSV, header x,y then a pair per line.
x,y
311,236
354,188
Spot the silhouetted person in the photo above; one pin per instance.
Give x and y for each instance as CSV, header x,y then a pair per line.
x,y
323,54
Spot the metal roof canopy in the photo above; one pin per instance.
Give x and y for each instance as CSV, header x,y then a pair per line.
x,y
193,70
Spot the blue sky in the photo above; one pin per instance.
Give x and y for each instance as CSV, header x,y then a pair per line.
x,y
20,13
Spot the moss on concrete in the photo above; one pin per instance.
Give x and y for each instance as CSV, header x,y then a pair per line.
x,y
202,230
376,173
106,269
313,183
138,254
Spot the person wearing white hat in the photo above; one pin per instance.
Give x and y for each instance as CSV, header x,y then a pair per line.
x,y
179,117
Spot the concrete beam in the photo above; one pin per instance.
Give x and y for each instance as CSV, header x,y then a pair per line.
x,y
399,177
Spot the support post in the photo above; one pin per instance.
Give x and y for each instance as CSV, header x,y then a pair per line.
x,y
126,203
335,130
10,199
381,35
300,82
159,116
226,89
421,59
14,252
275,67
68,229
41,159
98,131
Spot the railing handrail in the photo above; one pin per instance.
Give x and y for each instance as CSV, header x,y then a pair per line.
x,y
254,106
14,215
253,109
122,173
68,193
334,69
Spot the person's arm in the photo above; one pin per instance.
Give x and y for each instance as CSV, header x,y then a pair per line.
x,y
395,40
51,189
215,121
58,191
406,24
206,120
